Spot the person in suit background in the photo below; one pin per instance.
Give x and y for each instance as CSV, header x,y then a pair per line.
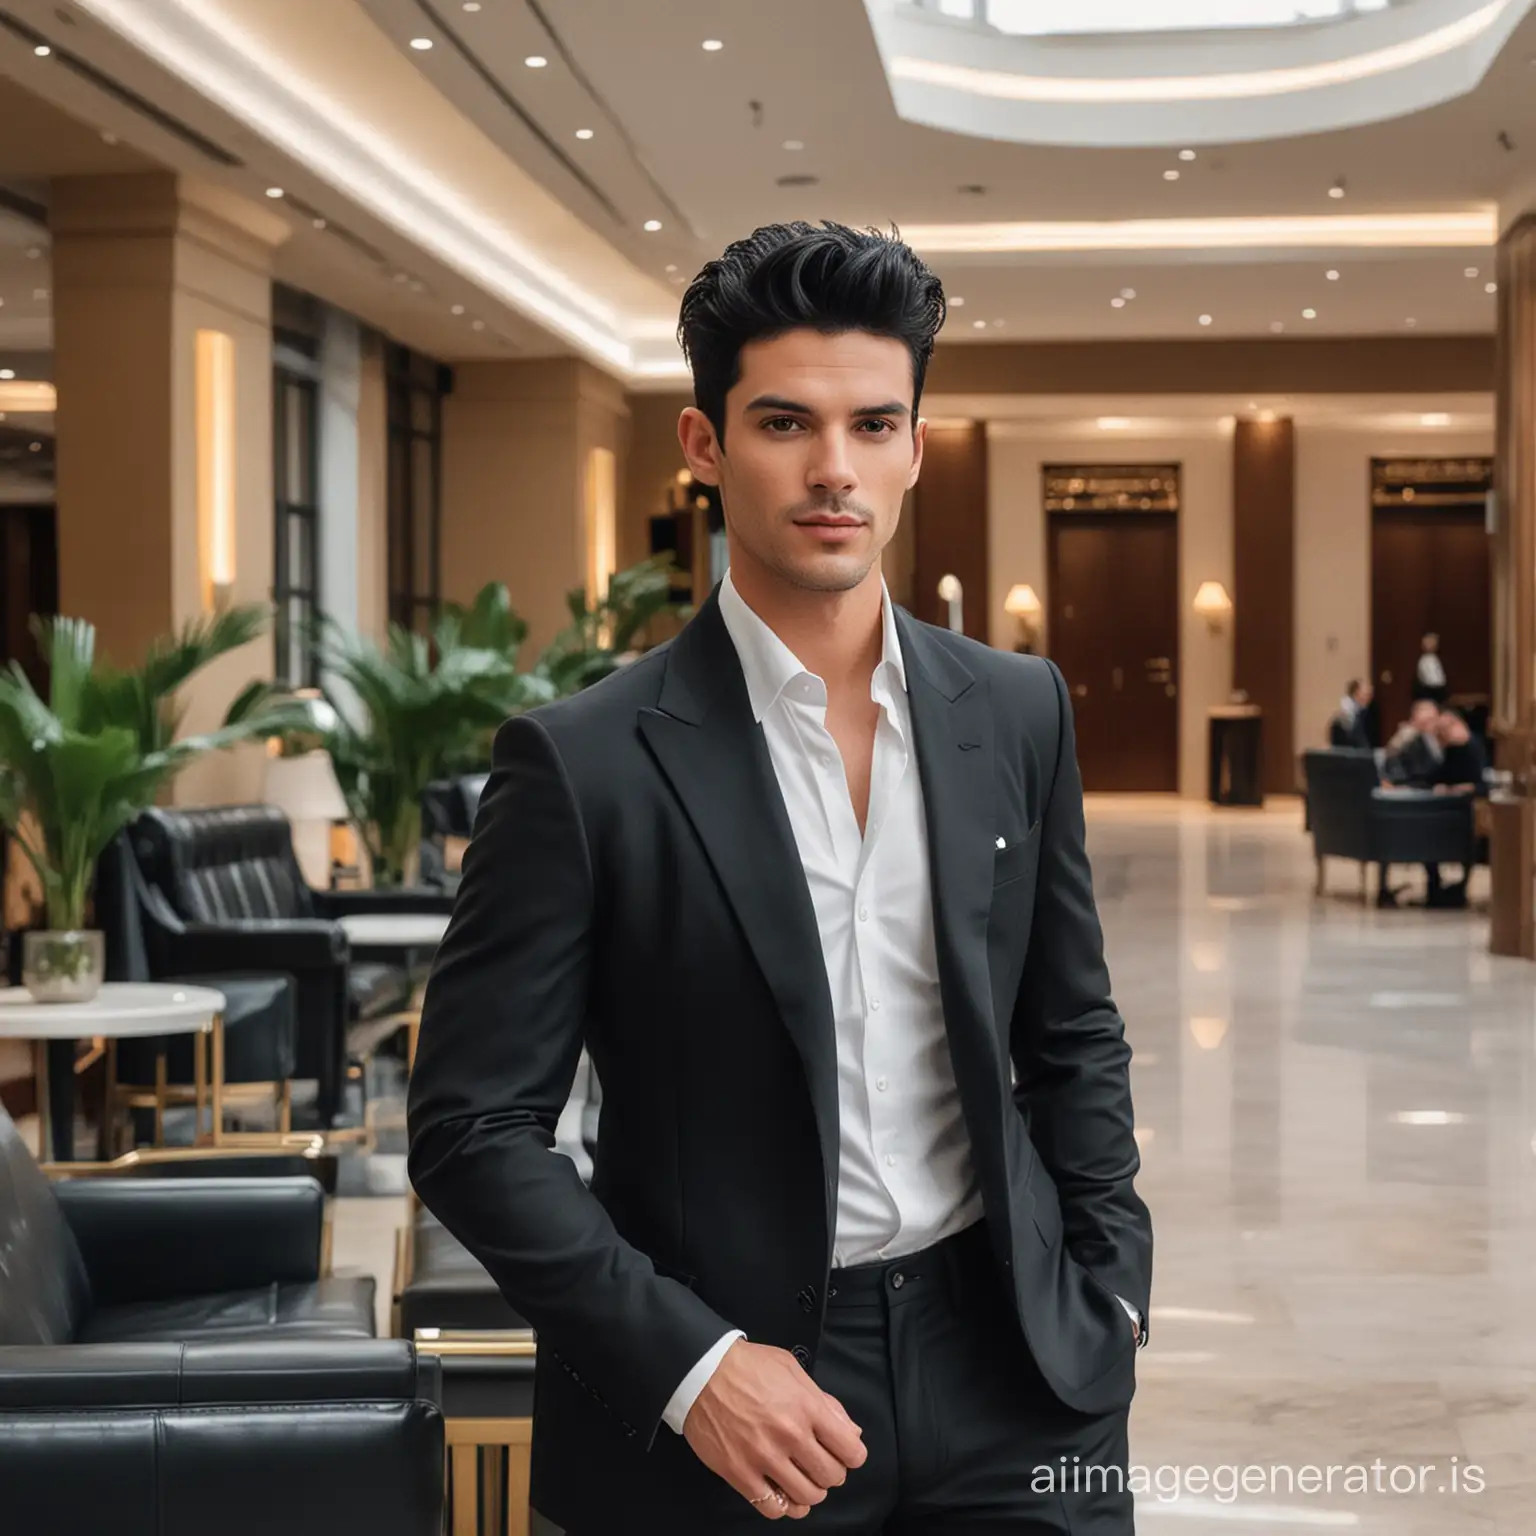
x,y
1350,727
1429,673
862,1245
1462,770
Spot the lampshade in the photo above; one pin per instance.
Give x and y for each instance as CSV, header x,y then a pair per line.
x,y
950,589
304,788
1212,600
1022,602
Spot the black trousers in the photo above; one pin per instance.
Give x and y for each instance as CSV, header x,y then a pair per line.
x,y
964,1435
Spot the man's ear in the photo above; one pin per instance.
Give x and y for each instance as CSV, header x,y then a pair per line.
x,y
919,438
701,447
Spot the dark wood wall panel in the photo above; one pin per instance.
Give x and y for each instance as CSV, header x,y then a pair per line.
x,y
1264,586
949,511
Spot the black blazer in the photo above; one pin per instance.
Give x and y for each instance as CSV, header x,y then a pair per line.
x,y
633,884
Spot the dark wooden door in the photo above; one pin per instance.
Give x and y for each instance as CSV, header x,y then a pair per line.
x,y
1114,632
1429,572
29,582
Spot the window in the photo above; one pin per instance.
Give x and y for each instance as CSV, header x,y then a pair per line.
x,y
416,386
297,324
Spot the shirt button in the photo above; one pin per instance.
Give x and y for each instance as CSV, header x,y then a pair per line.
x,y
880,1084
874,1003
890,1159
863,914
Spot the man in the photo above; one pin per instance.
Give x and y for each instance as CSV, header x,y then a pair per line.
x,y
1463,769
1350,726
862,1245
1429,673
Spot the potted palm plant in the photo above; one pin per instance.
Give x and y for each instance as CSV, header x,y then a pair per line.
x,y
413,709
77,767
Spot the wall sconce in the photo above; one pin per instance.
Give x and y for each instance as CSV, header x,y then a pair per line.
x,y
951,592
1214,605
1024,605
215,378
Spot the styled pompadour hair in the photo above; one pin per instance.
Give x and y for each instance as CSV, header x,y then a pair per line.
x,y
822,277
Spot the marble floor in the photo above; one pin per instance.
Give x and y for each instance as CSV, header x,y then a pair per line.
x,y
1337,1116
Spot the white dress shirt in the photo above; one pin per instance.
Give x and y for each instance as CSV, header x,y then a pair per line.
x,y
905,1178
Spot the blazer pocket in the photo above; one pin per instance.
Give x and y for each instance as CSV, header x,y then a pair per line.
x,y
1017,859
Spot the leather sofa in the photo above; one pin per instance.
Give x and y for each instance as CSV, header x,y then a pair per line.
x,y
1351,816
222,891
101,1261
245,1439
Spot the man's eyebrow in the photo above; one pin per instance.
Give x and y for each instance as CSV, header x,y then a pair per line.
x,y
890,408
796,408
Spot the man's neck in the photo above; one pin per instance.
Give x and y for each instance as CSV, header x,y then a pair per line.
x,y
840,636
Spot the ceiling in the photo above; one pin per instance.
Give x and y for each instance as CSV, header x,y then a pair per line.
x,y
453,176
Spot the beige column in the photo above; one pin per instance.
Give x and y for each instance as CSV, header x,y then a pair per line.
x,y
532,458
142,265
1513,816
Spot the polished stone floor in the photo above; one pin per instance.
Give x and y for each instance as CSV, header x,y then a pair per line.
x,y
1337,1113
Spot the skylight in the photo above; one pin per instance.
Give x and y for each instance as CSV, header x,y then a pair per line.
x,y
1049,18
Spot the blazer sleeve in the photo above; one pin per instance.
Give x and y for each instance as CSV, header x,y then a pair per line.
x,y
1070,1052
502,1030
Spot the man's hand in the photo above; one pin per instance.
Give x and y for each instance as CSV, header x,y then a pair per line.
x,y
762,1424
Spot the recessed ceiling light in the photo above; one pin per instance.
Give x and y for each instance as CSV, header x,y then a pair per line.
x,y
421,44
536,61
794,145
471,6
1205,319
1490,287
1113,423
318,223
713,45
1171,175
1309,314
671,266
42,50
1127,293
1471,272
980,325
1332,275
652,225
1410,322
457,309
34,447
1117,302
1337,189
7,373
957,302
477,325
1186,154
108,137
1277,326
274,191
1435,419
583,133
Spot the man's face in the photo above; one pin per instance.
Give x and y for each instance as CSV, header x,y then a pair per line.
x,y
820,447
1424,715
1452,730
1364,694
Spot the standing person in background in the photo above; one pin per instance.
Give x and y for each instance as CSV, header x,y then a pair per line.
x,y
1429,675
862,1245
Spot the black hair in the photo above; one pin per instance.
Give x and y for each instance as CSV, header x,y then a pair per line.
x,y
1352,687
787,277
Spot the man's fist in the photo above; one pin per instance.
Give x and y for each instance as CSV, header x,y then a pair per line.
x,y
763,1425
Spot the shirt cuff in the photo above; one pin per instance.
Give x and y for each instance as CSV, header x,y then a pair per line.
x,y
1134,1313
681,1405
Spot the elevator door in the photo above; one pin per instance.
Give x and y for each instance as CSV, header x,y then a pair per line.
x,y
1114,632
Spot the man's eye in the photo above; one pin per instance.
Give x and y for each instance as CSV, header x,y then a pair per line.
x,y
881,428
781,424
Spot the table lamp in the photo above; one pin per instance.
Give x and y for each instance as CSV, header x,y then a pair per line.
x,y
1023,603
305,790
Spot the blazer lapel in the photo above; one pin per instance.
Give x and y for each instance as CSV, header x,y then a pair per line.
x,y
952,724
706,742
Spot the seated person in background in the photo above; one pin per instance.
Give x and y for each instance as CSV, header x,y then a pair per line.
x,y
1411,760
1413,756
1349,728
1463,765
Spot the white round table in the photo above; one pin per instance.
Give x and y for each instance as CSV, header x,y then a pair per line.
x,y
395,930
121,1010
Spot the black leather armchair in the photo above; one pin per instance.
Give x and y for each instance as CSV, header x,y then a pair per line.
x,y
117,1260
242,1439
1351,817
222,891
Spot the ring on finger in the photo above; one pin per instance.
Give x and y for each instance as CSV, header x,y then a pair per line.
x,y
773,1493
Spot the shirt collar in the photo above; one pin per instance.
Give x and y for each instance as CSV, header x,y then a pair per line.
x,y
769,665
